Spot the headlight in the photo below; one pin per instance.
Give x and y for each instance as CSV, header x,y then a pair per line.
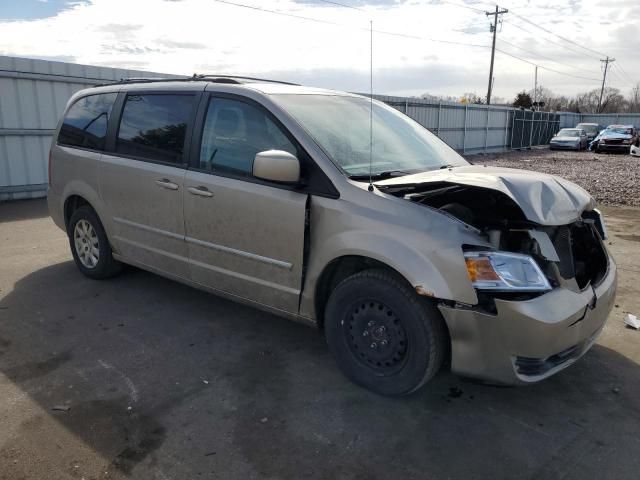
x,y
505,271
627,141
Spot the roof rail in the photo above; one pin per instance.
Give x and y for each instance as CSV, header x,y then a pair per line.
x,y
145,80
212,77
233,79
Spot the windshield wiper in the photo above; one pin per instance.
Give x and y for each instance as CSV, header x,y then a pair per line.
x,y
380,175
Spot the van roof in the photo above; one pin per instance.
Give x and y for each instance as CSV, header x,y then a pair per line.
x,y
200,81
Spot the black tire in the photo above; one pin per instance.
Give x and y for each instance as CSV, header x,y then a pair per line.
x,y
414,332
105,266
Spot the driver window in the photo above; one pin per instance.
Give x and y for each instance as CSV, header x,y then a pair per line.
x,y
234,131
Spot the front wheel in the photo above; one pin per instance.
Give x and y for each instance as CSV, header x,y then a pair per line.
x,y
383,335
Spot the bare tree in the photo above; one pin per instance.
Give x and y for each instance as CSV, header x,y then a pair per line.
x,y
633,103
472,97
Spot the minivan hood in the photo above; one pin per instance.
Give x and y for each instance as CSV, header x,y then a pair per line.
x,y
543,199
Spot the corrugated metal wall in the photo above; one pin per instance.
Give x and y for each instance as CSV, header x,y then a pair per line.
x,y
568,120
33,94
467,128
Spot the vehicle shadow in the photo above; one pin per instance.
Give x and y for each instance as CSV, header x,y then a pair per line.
x,y
161,372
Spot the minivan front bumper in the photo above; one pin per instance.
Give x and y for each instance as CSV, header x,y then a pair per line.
x,y
527,341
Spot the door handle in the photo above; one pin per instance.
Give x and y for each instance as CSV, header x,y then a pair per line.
x,y
201,191
166,183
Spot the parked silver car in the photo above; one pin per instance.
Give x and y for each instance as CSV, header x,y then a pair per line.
x,y
261,192
569,139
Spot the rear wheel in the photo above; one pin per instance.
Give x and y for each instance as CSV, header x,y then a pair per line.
x,y
383,335
89,245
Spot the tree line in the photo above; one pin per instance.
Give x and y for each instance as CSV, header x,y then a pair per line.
x,y
613,100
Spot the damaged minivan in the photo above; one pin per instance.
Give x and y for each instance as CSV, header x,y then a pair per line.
x,y
340,212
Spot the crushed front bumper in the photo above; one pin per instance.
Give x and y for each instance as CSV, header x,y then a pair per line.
x,y
527,341
616,147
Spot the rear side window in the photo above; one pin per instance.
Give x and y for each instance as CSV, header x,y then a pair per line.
x,y
85,124
153,126
234,132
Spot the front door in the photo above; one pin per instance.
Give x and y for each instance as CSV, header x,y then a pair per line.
x,y
245,237
142,182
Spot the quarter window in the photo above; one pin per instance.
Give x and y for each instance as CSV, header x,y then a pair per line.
x,y
234,131
85,124
153,126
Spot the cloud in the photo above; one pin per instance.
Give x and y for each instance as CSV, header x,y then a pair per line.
x,y
189,36
177,44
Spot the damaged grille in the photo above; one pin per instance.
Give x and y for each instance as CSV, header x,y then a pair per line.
x,y
581,253
562,243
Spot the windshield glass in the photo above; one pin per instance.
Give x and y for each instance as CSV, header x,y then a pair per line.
x,y
620,130
588,128
568,132
340,125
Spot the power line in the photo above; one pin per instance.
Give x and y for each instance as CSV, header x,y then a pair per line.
x,y
276,12
543,56
545,67
619,67
395,34
559,36
468,7
416,37
328,22
338,4
550,41
619,80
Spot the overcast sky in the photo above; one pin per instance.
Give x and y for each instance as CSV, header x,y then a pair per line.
x,y
329,47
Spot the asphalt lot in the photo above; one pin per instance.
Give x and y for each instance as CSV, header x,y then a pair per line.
x,y
162,381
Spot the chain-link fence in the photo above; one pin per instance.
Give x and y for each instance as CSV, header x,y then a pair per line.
x,y
533,128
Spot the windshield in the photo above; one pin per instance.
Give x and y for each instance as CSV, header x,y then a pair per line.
x,y
568,132
340,126
588,128
620,130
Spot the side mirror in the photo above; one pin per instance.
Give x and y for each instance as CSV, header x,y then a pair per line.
x,y
276,166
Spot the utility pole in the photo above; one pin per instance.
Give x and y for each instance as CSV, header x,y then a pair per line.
x,y
607,61
494,30
535,88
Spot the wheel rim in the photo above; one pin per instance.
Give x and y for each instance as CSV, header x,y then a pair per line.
x,y
85,240
376,337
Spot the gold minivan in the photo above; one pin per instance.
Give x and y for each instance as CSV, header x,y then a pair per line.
x,y
338,211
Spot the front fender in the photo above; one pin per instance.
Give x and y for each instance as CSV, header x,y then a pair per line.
x,y
431,260
438,269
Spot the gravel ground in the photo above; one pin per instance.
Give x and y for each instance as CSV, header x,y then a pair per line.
x,y
611,179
